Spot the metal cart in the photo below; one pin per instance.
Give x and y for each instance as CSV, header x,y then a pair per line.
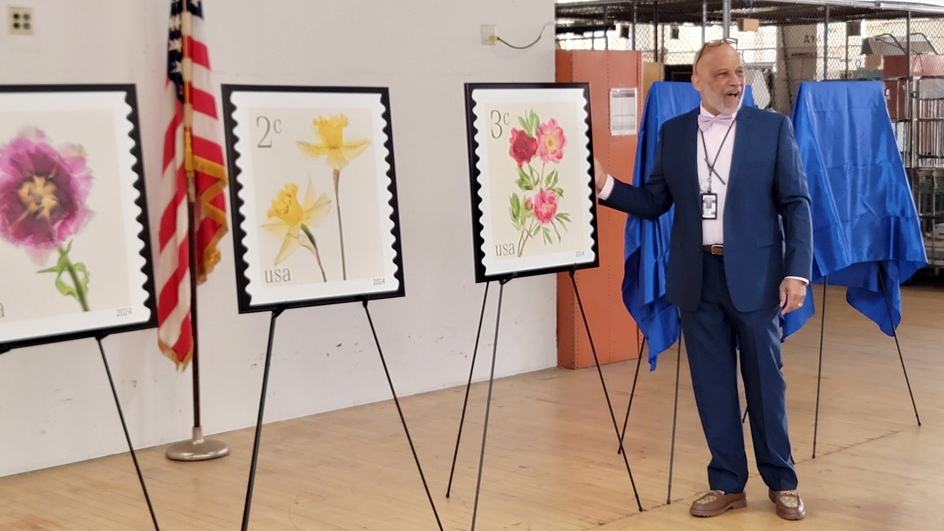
x,y
916,106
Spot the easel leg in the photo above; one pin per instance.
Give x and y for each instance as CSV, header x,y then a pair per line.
x,y
400,411
488,404
262,398
819,374
468,387
606,393
632,393
678,370
888,306
124,426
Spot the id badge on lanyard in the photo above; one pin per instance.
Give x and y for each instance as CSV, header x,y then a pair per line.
x,y
709,206
709,200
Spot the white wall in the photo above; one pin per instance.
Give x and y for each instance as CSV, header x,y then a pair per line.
x,y
55,405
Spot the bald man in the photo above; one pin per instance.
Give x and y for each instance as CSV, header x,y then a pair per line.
x,y
741,254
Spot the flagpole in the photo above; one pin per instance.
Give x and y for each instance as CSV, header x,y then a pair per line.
x,y
197,448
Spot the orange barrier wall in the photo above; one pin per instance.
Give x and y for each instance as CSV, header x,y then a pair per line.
x,y
615,334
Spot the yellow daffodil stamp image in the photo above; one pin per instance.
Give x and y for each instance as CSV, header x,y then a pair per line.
x,y
337,152
316,170
293,221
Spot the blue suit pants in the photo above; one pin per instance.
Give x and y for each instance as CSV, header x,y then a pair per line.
x,y
713,335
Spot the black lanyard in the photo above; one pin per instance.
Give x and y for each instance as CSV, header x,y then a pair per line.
x,y
711,165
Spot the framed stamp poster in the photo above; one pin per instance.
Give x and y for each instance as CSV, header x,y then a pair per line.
x,y
314,195
74,244
531,167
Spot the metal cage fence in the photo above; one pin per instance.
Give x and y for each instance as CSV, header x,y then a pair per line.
x,y
786,43
793,42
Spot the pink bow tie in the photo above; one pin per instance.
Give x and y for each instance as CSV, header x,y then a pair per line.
x,y
705,122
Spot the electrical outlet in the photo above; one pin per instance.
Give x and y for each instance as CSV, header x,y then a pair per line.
x,y
20,21
489,34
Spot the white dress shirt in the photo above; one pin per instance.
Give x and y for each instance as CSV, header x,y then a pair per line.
x,y
712,229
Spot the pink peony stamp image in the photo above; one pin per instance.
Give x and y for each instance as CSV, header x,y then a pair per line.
x,y
535,210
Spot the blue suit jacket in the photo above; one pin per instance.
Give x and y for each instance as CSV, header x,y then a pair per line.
x,y
767,204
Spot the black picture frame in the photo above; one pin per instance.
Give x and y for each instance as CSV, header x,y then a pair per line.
x,y
128,94
237,175
481,273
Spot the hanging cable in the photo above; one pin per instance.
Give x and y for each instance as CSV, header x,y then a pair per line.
x,y
540,36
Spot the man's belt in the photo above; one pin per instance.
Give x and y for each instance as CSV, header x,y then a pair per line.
x,y
716,249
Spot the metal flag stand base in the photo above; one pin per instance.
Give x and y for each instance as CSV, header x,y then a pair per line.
x,y
197,448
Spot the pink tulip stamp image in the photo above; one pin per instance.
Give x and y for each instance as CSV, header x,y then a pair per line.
x,y
43,192
75,239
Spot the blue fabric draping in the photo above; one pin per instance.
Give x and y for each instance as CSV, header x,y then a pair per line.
x,y
866,233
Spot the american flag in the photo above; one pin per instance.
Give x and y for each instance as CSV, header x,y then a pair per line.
x,y
193,167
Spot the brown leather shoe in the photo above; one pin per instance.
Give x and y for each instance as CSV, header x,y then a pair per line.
x,y
789,504
715,503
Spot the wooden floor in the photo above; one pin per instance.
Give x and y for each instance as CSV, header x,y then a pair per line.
x,y
551,462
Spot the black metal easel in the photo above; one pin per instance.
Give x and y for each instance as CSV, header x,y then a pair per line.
x,y
99,336
819,376
491,380
632,392
124,427
265,383
465,402
629,407
609,404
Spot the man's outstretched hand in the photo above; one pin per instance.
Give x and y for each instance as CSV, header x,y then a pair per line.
x,y
599,175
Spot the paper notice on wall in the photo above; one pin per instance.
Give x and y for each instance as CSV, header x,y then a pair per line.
x,y
623,111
